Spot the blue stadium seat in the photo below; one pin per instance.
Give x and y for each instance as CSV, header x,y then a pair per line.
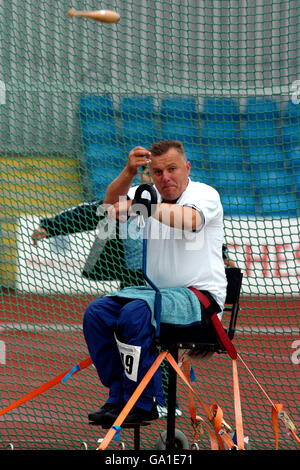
x,y
224,157
195,155
237,205
223,133
94,107
291,113
98,130
259,133
105,156
296,182
291,133
194,152
261,109
137,107
199,174
269,157
272,181
279,205
293,159
101,178
179,107
184,130
220,109
139,132
236,181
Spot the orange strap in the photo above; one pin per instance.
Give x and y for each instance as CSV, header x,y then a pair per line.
x,y
277,411
186,364
197,421
81,365
214,413
237,408
142,385
138,391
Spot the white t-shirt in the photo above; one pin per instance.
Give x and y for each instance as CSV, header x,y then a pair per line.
x,y
177,258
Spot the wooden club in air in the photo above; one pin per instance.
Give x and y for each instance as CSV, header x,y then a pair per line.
x,y
105,16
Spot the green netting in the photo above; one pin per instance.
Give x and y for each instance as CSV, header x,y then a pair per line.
x,y
75,97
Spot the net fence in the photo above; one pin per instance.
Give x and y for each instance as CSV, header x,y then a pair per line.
x,y
76,95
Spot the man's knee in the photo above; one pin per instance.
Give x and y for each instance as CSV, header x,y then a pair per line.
x,y
97,314
135,318
90,311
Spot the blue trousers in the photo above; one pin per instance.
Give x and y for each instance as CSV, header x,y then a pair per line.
x,y
130,320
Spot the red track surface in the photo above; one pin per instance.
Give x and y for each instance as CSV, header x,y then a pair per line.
x,y
43,338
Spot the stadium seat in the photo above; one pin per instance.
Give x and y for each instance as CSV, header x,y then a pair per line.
x,y
97,119
272,181
139,132
105,156
137,107
290,133
291,113
194,152
261,109
139,126
96,107
238,205
293,160
231,181
279,205
196,156
259,133
296,182
220,109
184,130
268,156
100,178
179,107
200,175
230,157
99,130
223,133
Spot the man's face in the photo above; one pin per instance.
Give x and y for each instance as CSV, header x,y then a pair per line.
x,y
170,174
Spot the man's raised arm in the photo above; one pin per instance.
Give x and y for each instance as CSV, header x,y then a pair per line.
x,y
138,156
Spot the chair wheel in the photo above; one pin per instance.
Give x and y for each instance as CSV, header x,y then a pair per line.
x,y
181,441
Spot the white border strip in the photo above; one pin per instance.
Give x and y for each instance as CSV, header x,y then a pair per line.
x,y
67,328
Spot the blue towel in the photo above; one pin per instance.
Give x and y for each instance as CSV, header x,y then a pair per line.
x,y
180,306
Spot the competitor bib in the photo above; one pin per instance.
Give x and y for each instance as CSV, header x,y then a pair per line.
x,y
130,356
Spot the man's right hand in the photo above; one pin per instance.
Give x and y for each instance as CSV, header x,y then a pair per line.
x,y
138,157
38,234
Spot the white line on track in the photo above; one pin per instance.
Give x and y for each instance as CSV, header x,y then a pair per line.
x,y
67,328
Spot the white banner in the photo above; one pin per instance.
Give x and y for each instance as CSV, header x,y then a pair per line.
x,y
268,252
55,264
